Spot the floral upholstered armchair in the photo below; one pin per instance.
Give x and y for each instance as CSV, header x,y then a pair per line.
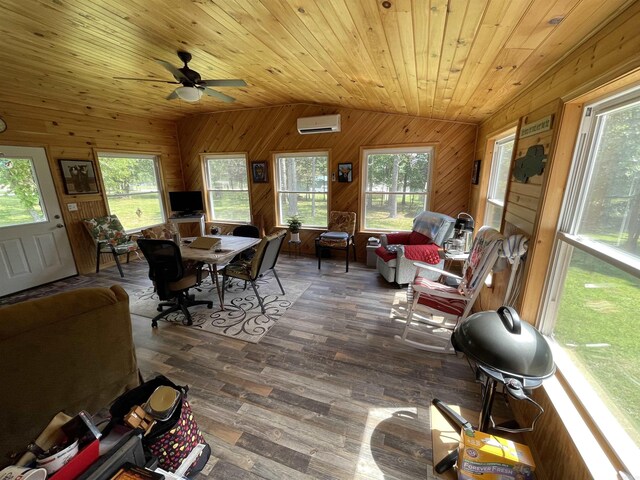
x,y
398,251
109,237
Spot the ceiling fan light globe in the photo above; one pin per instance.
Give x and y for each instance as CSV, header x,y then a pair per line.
x,y
189,94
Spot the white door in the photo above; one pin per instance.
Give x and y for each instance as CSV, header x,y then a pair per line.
x,y
34,246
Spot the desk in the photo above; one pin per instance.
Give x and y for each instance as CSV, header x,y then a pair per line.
x,y
230,246
191,219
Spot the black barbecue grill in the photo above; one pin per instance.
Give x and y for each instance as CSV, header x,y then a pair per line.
x,y
504,350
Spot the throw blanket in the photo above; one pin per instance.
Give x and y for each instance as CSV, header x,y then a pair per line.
x,y
419,253
429,223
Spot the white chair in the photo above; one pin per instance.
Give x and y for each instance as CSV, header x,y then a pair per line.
x,y
436,308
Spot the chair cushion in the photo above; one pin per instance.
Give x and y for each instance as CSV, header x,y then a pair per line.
x,y
449,306
385,254
121,248
416,238
423,253
106,229
334,239
159,231
401,238
342,222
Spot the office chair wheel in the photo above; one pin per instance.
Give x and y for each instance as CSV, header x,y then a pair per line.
x,y
159,308
210,305
154,324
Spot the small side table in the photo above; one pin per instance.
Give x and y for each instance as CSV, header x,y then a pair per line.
x,y
371,255
451,258
294,246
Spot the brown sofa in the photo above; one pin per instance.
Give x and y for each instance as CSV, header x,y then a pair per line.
x,y
66,352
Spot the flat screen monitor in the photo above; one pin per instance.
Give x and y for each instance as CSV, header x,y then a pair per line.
x,y
186,203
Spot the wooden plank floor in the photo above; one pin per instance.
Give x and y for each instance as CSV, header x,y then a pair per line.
x,y
327,393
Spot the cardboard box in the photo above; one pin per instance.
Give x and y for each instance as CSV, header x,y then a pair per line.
x,y
487,457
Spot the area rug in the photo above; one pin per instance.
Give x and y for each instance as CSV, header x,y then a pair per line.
x,y
241,318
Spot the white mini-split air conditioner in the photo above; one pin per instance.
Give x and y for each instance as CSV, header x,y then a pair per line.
x,y
323,124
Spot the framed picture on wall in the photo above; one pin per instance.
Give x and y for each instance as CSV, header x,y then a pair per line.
x,y
345,173
475,173
79,177
259,172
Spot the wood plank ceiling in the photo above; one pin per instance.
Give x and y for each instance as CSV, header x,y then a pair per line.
x,y
445,59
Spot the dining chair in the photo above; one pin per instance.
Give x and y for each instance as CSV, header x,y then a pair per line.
x,y
264,261
171,278
109,237
340,235
435,308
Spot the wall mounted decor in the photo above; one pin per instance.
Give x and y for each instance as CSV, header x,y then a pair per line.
x,y
530,165
79,176
345,172
259,172
475,173
3,125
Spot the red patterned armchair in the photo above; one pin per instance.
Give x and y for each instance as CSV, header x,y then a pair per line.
x,y
398,251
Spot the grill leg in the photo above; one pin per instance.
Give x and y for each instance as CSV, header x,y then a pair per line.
x,y
487,404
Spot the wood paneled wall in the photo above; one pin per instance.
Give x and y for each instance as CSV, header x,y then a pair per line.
x,y
612,54
66,131
261,132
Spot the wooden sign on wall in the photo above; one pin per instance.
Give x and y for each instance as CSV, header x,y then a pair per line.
x,y
538,126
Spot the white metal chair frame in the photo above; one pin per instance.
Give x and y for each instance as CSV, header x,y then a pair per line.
x,y
436,324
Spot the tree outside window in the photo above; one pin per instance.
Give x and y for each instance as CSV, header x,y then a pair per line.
x,y
20,201
133,190
228,187
594,283
397,186
498,180
302,187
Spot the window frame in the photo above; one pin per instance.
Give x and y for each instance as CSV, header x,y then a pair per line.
x,y
491,199
205,173
604,426
280,218
366,151
158,174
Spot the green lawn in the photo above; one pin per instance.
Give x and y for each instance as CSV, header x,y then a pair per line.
x,y
598,326
137,211
13,213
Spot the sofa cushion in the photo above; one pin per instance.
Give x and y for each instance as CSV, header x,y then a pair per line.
x,y
66,352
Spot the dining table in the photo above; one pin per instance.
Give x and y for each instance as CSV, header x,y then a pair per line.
x,y
217,257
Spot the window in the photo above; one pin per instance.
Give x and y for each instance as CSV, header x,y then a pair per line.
x,y
593,292
302,182
396,187
498,180
228,188
20,197
132,184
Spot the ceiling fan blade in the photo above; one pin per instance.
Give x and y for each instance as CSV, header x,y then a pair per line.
x,y
172,96
223,83
146,80
219,96
177,74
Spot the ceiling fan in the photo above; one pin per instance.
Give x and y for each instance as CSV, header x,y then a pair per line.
x,y
192,84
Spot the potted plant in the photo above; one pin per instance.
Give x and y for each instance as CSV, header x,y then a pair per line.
x,y
294,227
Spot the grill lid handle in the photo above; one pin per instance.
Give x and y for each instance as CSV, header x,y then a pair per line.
x,y
510,319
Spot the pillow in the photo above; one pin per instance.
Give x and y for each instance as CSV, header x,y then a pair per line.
x,y
392,248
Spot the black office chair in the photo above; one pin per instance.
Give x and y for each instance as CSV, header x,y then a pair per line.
x,y
263,261
171,278
250,231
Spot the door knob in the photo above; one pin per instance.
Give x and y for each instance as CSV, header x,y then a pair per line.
x,y
56,216
60,225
